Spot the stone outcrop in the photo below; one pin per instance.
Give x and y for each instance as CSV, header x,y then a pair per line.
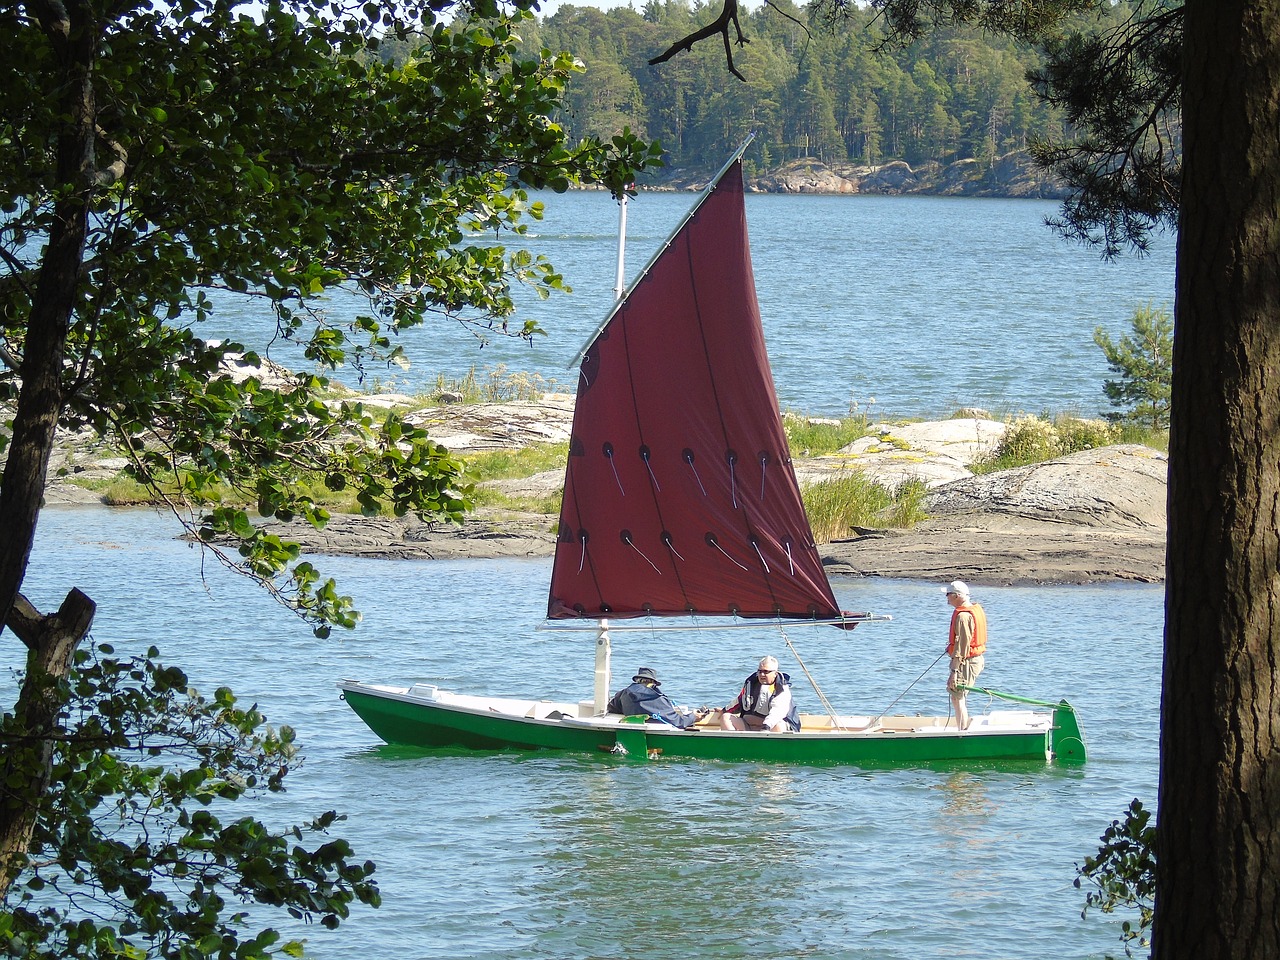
x,y
935,453
1093,515
1013,175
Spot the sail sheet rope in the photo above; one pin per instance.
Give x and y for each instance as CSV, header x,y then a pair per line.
x,y
878,717
822,697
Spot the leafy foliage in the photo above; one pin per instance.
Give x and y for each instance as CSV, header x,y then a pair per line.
x,y
136,852
1124,873
277,159
160,165
1144,361
1120,87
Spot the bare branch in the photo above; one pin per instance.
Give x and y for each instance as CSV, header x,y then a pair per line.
x,y
721,26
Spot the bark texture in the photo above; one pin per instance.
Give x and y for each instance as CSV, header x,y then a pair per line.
x,y
26,767
71,29
72,33
1219,816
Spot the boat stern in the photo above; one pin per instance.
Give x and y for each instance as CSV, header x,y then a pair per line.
x,y
1067,738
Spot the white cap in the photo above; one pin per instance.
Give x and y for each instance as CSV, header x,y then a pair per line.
x,y
959,588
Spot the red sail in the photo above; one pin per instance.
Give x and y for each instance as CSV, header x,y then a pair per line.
x,y
679,496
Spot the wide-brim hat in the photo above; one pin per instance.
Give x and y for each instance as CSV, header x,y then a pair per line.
x,y
644,673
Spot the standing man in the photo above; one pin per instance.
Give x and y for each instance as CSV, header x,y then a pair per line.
x,y
966,644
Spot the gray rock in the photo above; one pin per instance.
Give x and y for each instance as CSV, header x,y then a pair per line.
x,y
1117,486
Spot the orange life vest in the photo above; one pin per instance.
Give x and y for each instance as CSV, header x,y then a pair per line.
x,y
978,642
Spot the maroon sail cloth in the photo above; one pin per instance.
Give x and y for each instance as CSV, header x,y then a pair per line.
x,y
679,494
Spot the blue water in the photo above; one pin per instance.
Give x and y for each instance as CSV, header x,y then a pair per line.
x,y
902,306
514,857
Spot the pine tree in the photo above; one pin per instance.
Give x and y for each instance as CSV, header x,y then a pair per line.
x,y
1144,361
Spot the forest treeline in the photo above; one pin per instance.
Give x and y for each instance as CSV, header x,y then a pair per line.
x,y
840,97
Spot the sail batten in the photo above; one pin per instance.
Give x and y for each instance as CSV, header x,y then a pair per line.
x,y
680,496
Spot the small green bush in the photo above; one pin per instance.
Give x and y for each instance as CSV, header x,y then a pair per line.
x,y
851,500
1036,439
494,385
908,504
817,437
1144,361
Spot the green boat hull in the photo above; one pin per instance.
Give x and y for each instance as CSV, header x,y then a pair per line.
x,y
406,717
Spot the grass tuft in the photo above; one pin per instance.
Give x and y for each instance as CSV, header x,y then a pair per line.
x,y
838,505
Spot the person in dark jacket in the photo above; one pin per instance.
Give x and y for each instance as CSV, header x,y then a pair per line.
x,y
644,699
764,702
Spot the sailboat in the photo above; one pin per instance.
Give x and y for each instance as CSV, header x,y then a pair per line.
x,y
681,504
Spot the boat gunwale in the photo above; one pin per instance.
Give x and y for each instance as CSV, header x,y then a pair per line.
x,y
1042,726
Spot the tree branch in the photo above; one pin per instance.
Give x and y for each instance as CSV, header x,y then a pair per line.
x,y
721,26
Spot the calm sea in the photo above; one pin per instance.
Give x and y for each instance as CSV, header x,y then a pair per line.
x,y
506,857
904,306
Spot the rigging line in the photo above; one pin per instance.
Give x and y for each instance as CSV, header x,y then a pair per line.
x,y
716,543
878,717
649,466
763,562
688,458
822,697
616,478
632,544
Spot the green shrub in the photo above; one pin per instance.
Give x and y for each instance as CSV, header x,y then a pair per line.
x,y
851,500
908,504
1076,434
816,437
1144,360
1028,440
124,492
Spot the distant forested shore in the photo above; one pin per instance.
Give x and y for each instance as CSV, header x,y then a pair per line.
x,y
832,110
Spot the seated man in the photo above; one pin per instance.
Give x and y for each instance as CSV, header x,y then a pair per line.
x,y
644,699
764,702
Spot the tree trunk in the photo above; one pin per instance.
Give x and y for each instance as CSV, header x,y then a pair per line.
x,y
73,36
1218,846
27,765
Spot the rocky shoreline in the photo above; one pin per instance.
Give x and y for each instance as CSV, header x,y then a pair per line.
x,y
1014,175
1093,516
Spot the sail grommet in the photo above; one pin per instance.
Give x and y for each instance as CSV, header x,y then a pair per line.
x,y
645,454
670,543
